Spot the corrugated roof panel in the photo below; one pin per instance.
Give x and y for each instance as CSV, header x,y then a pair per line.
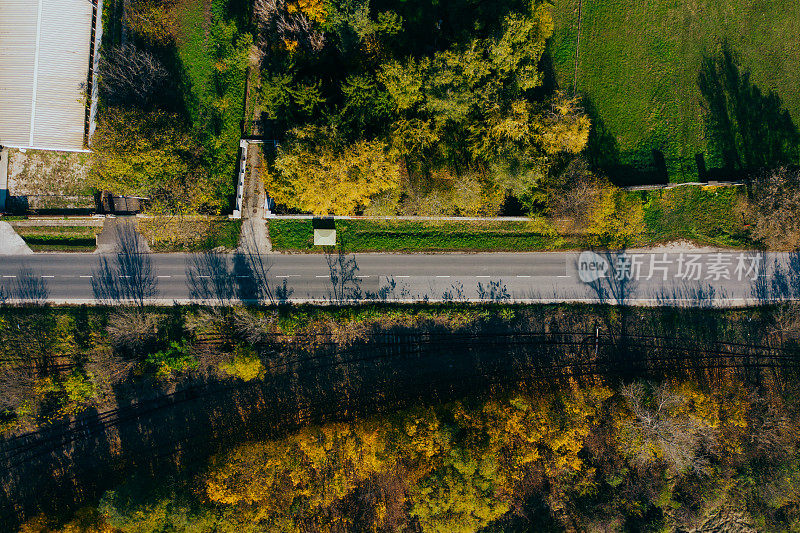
x,y
64,41
17,49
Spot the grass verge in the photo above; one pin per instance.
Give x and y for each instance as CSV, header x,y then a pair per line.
x,y
413,236
707,216
711,216
191,234
59,238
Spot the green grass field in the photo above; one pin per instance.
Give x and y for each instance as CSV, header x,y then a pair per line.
x,y
708,216
214,53
639,63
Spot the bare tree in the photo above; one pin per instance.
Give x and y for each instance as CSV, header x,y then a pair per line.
x,y
777,204
132,329
131,76
657,431
274,18
252,328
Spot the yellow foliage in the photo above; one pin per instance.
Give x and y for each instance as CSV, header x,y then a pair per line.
x,y
313,468
155,21
316,10
245,365
321,180
617,221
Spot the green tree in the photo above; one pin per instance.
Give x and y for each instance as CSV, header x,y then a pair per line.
x,y
152,155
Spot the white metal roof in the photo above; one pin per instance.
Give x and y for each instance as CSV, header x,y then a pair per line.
x,y
44,66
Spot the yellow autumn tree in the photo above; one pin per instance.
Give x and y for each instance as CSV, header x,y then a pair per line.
x,y
319,178
297,478
151,154
617,220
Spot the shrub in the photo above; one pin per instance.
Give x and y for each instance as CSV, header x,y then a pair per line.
x,y
174,359
245,365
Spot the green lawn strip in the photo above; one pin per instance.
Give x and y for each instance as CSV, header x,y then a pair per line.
x,y
413,236
639,62
59,238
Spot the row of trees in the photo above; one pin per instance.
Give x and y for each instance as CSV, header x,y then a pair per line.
x,y
639,456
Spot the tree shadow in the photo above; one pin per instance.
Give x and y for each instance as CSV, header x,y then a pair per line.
x,y
746,129
218,278
209,278
778,281
618,283
345,284
493,291
127,275
29,288
602,149
690,295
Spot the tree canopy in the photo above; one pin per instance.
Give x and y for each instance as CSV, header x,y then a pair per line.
x,y
470,103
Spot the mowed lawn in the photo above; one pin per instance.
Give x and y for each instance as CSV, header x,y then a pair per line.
x,y
413,236
639,62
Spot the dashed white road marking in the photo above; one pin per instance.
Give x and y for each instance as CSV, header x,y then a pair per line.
x,y
400,276
483,276
321,276
9,276
523,276
48,276
163,276
442,276
86,276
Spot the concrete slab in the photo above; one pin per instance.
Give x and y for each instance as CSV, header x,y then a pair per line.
x,y
119,235
11,243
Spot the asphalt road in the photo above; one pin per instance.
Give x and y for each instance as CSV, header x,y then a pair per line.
x,y
727,279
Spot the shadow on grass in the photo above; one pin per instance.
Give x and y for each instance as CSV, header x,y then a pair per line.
x,y
747,129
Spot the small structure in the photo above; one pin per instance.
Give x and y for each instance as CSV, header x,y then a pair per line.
x,y
110,204
324,231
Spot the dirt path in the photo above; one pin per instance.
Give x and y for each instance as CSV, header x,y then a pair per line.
x,y
255,236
